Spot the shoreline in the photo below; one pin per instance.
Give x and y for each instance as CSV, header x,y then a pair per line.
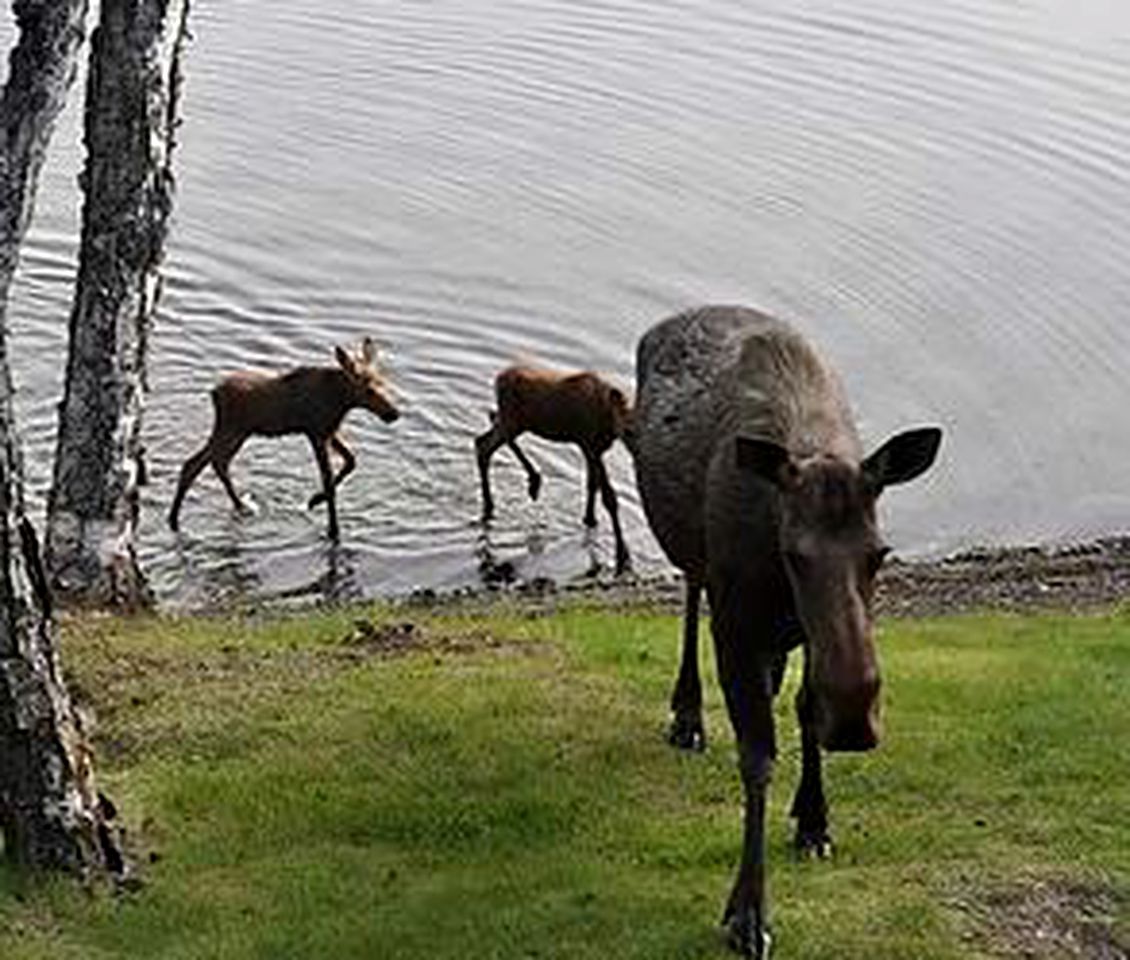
x,y
1087,576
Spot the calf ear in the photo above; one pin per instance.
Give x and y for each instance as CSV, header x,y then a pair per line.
x,y
767,459
345,361
369,350
902,458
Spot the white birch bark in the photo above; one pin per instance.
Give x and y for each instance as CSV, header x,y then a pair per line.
x,y
130,120
51,815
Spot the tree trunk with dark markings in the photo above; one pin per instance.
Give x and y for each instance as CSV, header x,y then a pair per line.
x,y
130,120
51,815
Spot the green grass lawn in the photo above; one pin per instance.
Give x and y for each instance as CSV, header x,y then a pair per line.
x,y
499,787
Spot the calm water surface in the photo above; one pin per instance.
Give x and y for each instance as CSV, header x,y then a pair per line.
x,y
938,193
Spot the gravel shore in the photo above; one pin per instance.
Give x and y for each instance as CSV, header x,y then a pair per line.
x,y
1087,576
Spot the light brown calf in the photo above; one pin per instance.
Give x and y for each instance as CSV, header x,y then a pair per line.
x,y
307,400
578,408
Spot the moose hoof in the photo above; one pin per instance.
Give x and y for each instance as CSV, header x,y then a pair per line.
x,y
746,937
812,845
687,733
315,500
534,487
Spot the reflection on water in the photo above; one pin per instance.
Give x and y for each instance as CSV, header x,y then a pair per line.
x,y
938,194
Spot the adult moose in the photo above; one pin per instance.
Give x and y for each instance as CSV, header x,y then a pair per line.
x,y
753,480
308,400
580,408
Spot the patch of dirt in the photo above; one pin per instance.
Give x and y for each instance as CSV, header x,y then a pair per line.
x,y
385,639
1048,919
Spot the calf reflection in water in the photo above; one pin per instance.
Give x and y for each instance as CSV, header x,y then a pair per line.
x,y
754,481
580,408
308,400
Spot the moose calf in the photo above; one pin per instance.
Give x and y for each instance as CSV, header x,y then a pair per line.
x,y
307,400
578,408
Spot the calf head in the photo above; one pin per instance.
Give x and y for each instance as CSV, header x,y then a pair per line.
x,y
369,388
831,551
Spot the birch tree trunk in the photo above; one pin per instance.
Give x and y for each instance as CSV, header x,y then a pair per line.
x,y
131,102
51,816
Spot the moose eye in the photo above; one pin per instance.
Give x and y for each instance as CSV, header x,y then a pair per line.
x,y
797,560
875,559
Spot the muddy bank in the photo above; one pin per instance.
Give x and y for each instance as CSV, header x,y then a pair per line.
x,y
1076,577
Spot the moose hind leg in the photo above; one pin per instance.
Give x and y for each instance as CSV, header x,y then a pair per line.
x,y
687,730
188,474
222,455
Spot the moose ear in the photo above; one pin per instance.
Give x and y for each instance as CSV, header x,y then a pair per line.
x,y
344,360
767,459
369,350
902,458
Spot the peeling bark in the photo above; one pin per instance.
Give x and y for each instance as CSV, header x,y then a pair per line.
x,y
51,815
130,121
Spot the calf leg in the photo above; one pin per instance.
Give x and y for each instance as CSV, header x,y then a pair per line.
x,y
592,482
687,731
809,806
608,498
533,478
485,446
325,470
222,453
348,463
188,474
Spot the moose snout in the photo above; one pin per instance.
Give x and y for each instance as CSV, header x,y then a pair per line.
x,y
848,716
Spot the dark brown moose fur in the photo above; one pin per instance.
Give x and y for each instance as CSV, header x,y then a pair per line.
x,y
308,400
580,408
753,479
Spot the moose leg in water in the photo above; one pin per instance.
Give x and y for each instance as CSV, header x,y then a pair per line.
x,y
348,462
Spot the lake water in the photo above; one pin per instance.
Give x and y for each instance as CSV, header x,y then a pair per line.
x,y
939,193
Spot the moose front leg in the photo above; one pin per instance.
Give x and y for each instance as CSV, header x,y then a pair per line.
x,y
809,806
608,498
348,462
322,455
746,917
485,446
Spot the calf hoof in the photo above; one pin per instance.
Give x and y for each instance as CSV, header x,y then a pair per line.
x,y
534,487
623,564
687,733
812,844
746,937
316,499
